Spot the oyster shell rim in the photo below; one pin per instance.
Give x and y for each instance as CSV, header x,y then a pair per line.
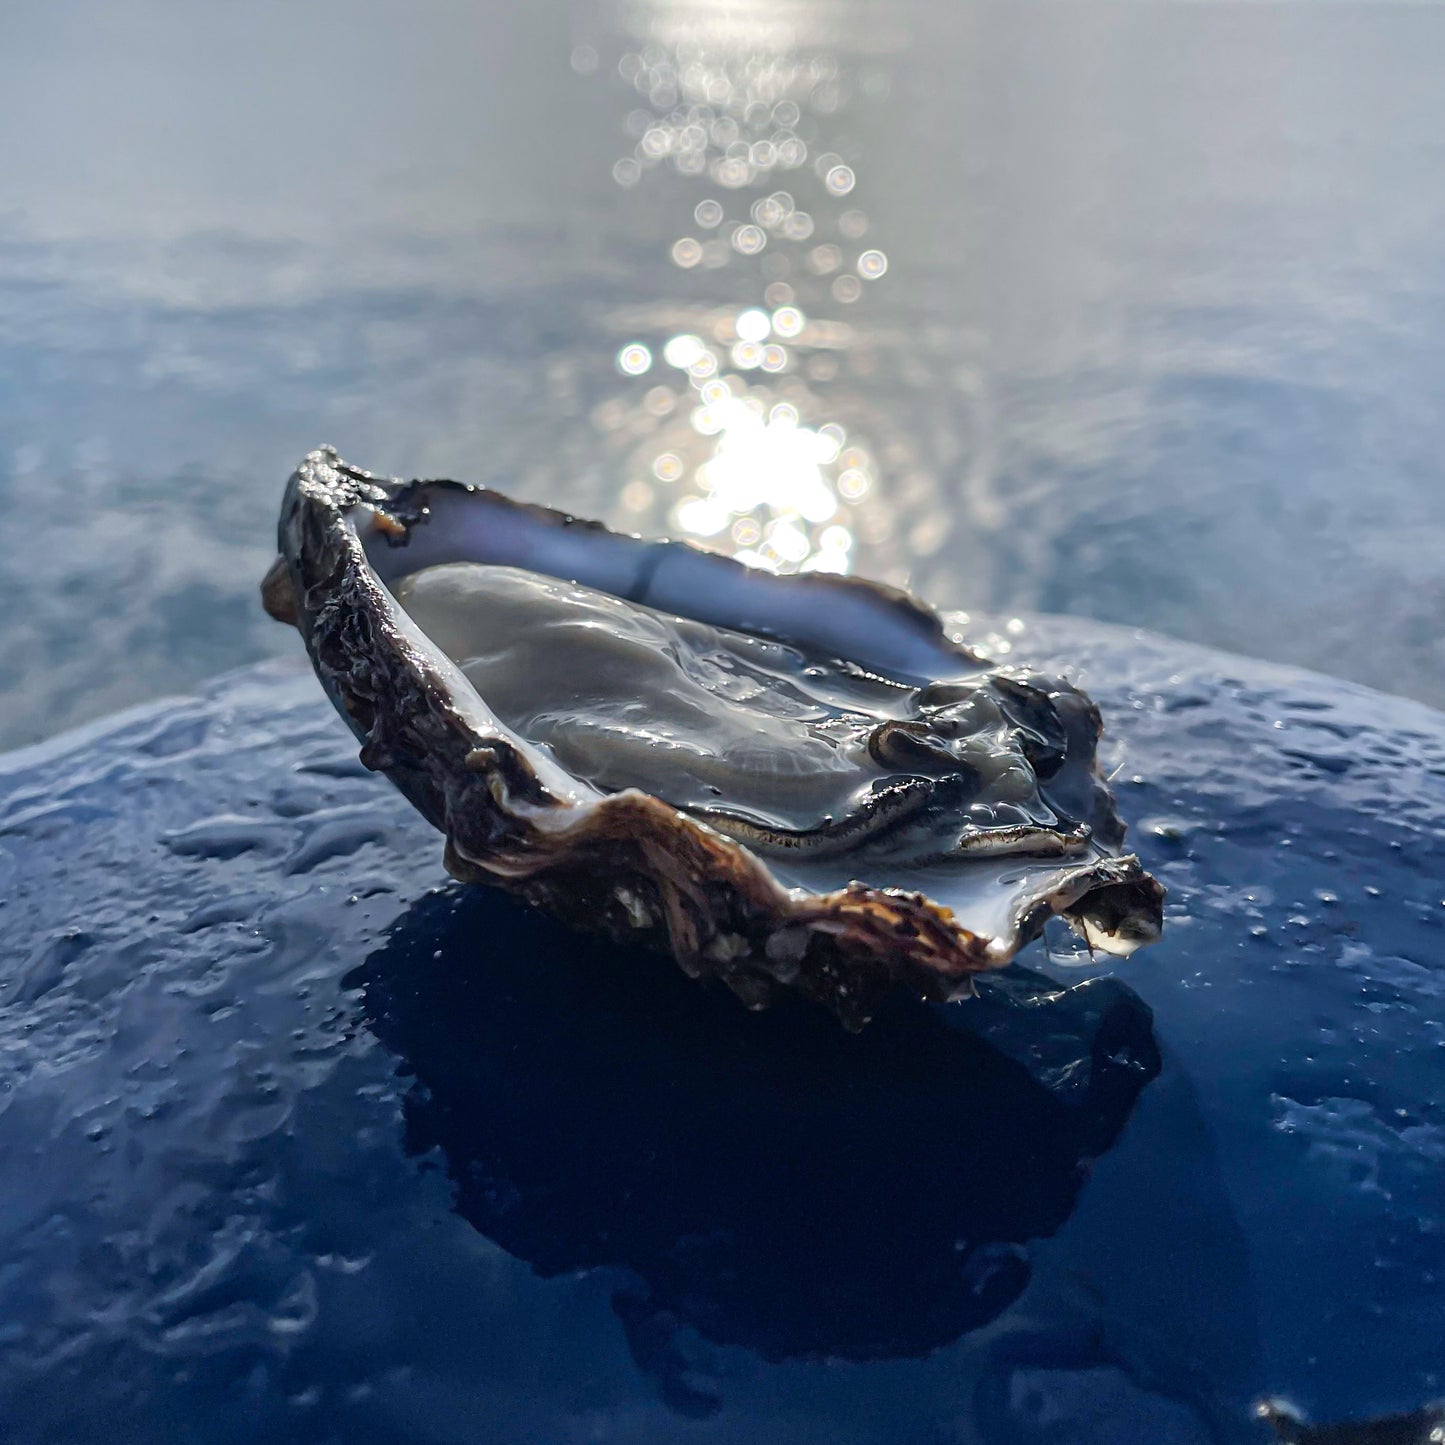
x,y
627,863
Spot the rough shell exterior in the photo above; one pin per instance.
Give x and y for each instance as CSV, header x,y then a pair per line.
x,y
626,864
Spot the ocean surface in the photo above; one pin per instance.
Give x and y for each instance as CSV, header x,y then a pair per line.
x,y
1134,312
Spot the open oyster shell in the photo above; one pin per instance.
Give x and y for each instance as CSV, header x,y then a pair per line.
x,y
660,743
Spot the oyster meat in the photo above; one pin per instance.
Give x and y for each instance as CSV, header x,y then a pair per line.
x,y
794,781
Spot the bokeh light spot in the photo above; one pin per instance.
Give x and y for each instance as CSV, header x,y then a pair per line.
x,y
788,322
637,496
634,359
749,240
753,325
872,264
682,351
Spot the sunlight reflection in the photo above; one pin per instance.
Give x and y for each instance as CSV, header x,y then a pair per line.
x,y
732,442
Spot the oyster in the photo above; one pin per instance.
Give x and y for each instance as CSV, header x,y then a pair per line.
x,y
658,742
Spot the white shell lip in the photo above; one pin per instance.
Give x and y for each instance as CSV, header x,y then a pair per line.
x,y
626,863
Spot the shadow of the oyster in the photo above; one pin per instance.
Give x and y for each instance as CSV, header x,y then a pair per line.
x,y
769,1180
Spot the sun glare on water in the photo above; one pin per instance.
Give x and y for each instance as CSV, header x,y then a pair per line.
x,y
730,435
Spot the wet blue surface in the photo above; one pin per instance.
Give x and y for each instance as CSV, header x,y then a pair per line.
x,y
294,1145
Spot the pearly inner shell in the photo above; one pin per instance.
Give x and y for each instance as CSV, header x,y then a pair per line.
x,y
789,752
